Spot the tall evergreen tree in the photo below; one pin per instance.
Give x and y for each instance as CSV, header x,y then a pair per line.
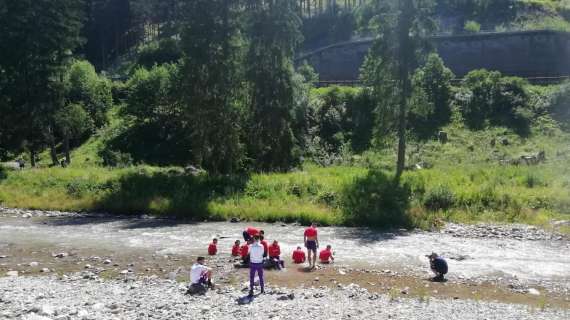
x,y
212,82
401,43
36,39
274,35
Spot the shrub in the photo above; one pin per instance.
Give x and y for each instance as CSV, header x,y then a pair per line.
x,y
487,96
472,26
161,52
116,159
376,200
439,198
560,105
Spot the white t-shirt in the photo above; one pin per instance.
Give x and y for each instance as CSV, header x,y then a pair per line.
x,y
197,271
256,252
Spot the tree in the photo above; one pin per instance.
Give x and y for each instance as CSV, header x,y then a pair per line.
x,y
93,92
36,39
274,35
401,43
71,121
212,82
431,102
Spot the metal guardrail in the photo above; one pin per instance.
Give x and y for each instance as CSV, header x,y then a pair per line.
x,y
532,80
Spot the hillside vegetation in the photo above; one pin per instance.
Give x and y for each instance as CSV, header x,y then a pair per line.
x,y
470,178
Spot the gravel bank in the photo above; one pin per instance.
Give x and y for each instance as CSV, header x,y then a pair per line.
x,y
150,298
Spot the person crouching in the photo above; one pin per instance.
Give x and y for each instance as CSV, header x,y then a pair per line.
x,y
326,255
439,267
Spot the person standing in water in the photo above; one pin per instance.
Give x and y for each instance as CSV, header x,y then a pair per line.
x,y
311,240
256,255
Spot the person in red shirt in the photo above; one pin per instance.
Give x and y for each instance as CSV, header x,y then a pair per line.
x,y
311,240
213,247
326,256
274,252
250,232
299,256
236,249
244,253
265,246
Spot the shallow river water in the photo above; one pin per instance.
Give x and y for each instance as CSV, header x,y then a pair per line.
x,y
470,258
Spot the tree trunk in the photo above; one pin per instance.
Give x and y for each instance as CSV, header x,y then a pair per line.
x,y
33,158
52,149
404,27
66,148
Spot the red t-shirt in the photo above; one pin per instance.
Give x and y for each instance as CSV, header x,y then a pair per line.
x,y
212,249
265,246
298,256
311,232
244,250
325,255
252,231
274,251
235,250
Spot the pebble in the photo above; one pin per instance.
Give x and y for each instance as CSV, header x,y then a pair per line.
x,y
34,264
12,273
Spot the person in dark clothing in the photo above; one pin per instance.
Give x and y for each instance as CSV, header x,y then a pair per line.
x,y
438,265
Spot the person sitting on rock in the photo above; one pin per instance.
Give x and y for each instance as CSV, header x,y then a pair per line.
x,y
439,267
236,249
326,255
244,253
213,247
274,252
299,256
200,277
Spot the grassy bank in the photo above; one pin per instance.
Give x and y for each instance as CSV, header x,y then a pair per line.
x,y
334,195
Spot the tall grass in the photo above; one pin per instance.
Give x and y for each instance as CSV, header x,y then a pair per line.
x,y
331,196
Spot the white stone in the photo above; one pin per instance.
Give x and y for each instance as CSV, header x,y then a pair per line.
x,y
533,292
34,264
12,273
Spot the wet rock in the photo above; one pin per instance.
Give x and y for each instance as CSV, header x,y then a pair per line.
x,y
533,291
60,255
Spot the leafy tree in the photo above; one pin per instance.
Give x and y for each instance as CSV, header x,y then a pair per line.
x,y
160,52
402,29
431,103
72,121
488,97
85,86
212,82
36,39
274,36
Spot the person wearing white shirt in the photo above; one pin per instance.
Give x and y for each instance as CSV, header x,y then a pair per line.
x,y
200,276
256,253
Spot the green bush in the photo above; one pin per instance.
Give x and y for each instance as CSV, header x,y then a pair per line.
x,y
472,26
161,52
439,198
376,200
560,105
489,98
115,159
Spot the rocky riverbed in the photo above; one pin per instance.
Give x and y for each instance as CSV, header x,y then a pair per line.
x,y
150,298
61,265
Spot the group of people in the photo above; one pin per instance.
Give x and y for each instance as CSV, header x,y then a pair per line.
x,y
257,254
